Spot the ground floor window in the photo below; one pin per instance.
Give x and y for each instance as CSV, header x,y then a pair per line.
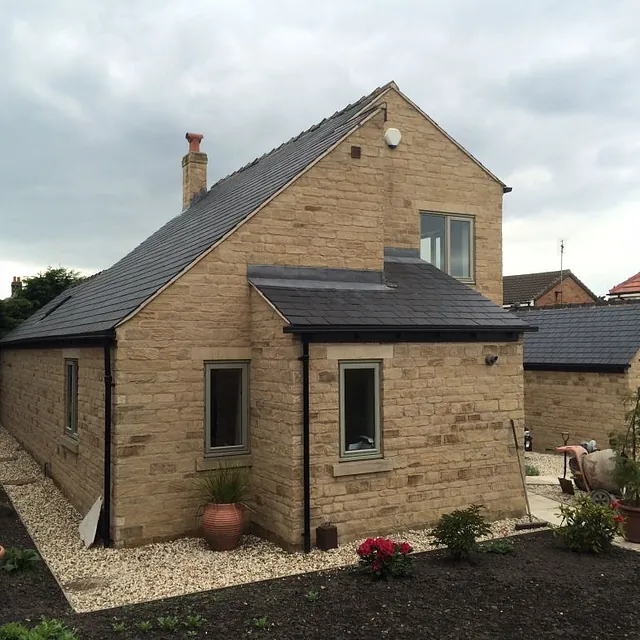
x,y
71,397
360,409
227,407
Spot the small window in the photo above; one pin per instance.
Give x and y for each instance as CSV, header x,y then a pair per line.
x,y
558,297
227,403
446,242
71,397
360,410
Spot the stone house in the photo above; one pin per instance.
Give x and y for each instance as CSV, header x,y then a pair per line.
x,y
328,316
579,367
545,289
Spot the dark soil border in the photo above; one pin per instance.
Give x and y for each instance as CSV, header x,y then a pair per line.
x,y
540,591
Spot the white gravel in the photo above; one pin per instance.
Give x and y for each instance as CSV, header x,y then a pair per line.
x,y
102,578
548,464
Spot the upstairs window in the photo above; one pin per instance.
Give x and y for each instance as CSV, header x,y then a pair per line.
x,y
446,242
71,398
227,407
360,409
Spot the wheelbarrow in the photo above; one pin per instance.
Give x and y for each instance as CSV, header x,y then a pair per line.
x,y
593,472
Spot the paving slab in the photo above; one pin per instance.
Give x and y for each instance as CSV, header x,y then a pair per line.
x,y
545,509
542,480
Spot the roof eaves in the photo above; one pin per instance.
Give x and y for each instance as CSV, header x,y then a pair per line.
x,y
52,341
584,367
381,328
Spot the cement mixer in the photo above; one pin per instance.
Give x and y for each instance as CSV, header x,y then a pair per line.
x,y
593,472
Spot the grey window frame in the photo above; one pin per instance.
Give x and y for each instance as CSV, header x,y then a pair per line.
x,y
447,240
243,448
362,454
71,399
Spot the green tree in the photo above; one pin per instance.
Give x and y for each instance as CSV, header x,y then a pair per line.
x,y
36,292
12,312
47,285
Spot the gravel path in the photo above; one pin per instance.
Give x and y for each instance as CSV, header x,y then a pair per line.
x,y
548,464
101,578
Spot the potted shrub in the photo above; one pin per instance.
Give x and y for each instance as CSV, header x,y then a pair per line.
x,y
223,519
627,471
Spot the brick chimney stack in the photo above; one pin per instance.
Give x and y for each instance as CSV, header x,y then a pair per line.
x,y
194,170
16,286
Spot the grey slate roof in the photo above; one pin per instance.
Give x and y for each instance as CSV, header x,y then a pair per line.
x,y
96,306
410,295
521,289
582,336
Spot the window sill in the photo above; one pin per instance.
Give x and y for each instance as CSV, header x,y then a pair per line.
x,y
69,443
358,467
229,462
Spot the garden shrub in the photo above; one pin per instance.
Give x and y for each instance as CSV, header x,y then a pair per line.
x,y
459,531
384,557
531,470
588,527
501,546
19,559
45,630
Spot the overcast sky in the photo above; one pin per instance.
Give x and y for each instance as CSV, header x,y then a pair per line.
x,y
96,97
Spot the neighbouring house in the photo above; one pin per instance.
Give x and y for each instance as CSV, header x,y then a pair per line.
x,y
328,316
627,290
545,289
579,367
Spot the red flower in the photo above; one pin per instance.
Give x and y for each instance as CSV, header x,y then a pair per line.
x,y
366,548
614,504
619,519
405,548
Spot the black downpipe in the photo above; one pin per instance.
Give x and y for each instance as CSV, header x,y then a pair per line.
x,y
306,470
106,507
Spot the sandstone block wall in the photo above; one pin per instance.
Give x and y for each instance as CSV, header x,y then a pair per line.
x,y
340,214
32,408
445,432
587,405
427,172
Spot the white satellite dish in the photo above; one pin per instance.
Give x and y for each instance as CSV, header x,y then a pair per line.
x,y
392,137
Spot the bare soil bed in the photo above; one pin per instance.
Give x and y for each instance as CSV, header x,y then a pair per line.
x,y
540,591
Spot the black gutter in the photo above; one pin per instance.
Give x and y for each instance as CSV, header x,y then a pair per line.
x,y
506,189
59,342
435,329
577,368
384,336
106,505
306,469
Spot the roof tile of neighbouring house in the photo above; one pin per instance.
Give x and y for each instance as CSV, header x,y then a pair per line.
x,y
410,294
96,306
598,336
631,285
523,288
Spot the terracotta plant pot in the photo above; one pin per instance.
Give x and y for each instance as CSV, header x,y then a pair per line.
x,y
631,525
223,524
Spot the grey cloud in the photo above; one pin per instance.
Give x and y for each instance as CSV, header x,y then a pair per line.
x,y
97,97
